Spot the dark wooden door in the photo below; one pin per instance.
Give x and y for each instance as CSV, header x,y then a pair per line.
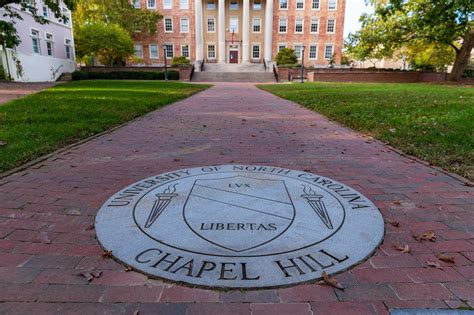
x,y
233,56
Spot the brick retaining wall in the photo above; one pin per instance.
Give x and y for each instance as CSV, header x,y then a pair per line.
x,y
185,72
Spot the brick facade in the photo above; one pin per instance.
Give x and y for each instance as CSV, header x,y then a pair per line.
x,y
310,12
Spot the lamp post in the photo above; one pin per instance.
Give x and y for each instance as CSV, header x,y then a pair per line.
x,y
166,65
302,64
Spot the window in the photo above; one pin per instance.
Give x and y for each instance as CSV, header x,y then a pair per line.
x,y
233,25
299,4
234,5
211,51
35,36
151,4
49,44
298,50
255,51
169,51
184,4
45,12
282,25
256,25
211,24
138,50
328,51
313,51
211,5
30,5
257,4
167,4
332,4
184,25
67,18
154,51
314,26
168,25
281,46
283,4
185,51
315,5
331,27
299,25
68,46
136,4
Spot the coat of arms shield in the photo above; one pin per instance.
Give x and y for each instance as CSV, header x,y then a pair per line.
x,y
239,213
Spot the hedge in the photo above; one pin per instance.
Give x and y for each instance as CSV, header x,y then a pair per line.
x,y
124,75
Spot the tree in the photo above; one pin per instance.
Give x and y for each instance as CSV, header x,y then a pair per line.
x,y
286,56
119,12
422,56
8,34
398,23
108,42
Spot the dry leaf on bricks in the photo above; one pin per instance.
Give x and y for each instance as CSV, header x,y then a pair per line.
x,y
403,249
332,281
433,264
446,258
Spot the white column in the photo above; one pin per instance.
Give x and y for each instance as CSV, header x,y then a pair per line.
x,y
245,31
268,30
199,38
221,30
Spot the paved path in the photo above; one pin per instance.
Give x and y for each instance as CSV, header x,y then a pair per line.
x,y
46,212
13,90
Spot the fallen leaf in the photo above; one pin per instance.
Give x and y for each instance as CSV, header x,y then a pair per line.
x,y
90,227
127,269
428,236
404,250
446,258
394,223
397,202
332,281
3,143
89,274
176,160
433,264
106,254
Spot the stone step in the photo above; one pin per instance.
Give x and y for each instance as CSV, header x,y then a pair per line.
x,y
226,67
233,77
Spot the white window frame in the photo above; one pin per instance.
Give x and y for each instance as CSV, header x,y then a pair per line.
x,y
281,46
35,34
335,5
136,4
213,19
214,51
186,29
302,25
189,51
301,50
254,6
157,51
311,26
166,50
280,3
299,2
167,4
50,41
316,52
213,7
319,4
135,45
325,50
68,46
44,10
327,26
259,25
259,51
280,25
235,7
164,24
148,6
234,18
184,4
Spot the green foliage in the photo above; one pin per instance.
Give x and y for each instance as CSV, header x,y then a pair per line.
x,y
43,122
429,57
108,42
430,121
345,60
180,61
119,12
124,75
286,56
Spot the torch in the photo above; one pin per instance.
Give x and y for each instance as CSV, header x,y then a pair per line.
x,y
315,201
164,199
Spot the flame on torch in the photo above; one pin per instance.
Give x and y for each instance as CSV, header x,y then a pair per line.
x,y
315,201
164,199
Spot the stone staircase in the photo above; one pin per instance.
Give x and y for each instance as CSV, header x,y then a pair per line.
x,y
233,73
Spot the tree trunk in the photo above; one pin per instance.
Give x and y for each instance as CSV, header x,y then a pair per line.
x,y
462,57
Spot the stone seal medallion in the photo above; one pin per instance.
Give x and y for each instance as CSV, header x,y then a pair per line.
x,y
239,226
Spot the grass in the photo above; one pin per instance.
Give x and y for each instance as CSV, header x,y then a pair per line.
x,y
432,122
41,123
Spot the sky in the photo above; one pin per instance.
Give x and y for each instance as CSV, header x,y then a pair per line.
x,y
354,8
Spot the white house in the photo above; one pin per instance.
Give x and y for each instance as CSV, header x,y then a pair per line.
x,y
45,52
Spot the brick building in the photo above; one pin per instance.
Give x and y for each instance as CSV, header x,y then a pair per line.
x,y
252,30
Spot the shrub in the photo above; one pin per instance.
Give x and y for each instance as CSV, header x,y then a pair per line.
x,y
286,56
124,75
180,61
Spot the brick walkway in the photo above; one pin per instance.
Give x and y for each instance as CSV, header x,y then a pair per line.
x,y
13,90
46,212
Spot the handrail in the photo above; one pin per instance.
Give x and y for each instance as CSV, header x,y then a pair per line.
x,y
265,65
275,72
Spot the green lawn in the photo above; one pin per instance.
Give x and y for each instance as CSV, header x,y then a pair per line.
x,y
432,122
40,123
